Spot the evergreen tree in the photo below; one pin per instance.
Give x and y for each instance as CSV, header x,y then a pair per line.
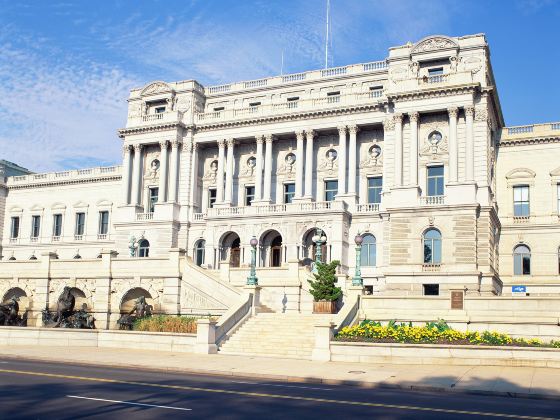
x,y
324,288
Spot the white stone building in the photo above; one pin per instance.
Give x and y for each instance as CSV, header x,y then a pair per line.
x,y
411,152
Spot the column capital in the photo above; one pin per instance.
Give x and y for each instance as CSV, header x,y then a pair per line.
x,y
126,149
453,111
188,146
260,139
353,129
342,129
413,116
175,144
299,135
469,110
310,133
163,144
137,148
389,123
398,118
230,142
268,138
221,143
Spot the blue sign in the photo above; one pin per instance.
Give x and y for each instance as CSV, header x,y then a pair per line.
x,y
518,289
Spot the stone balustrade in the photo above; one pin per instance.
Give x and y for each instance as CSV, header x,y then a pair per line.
x,y
73,175
432,200
159,118
440,80
531,130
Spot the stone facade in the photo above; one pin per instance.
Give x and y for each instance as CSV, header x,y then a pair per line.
x,y
399,150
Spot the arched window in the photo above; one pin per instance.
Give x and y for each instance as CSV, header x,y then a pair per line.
x,y
432,246
199,252
368,253
143,248
521,260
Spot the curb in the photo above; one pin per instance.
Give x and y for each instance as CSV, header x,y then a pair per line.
x,y
299,379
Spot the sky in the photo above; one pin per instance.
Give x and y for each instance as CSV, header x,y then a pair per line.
x,y
66,67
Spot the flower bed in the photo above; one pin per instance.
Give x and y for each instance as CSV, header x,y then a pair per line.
x,y
166,323
432,333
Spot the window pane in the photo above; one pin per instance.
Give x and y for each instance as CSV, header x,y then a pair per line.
x,y
427,251
436,251
526,264
517,265
435,171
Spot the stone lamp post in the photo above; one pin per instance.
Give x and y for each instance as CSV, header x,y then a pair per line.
x,y
357,279
252,280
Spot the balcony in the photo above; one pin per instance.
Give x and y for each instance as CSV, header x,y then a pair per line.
x,y
34,239
431,268
519,220
14,240
432,200
78,237
102,236
55,238
367,208
435,81
151,119
140,217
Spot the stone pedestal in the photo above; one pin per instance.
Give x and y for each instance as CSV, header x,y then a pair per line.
x,y
256,292
324,333
205,337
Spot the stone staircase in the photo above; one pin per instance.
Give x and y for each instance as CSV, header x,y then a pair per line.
x,y
288,335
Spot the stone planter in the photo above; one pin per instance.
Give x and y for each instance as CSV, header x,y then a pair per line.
x,y
324,307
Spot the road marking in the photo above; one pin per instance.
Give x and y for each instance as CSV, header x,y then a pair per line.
x,y
283,386
130,403
279,396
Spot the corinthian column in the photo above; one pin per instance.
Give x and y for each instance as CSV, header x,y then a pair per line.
x,y
267,167
185,172
353,129
469,143
229,171
309,134
299,165
341,160
453,148
136,175
162,193
259,169
126,175
220,173
414,148
173,174
398,150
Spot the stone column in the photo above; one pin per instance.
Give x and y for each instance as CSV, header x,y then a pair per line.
x,y
413,148
259,169
193,191
352,160
126,175
341,160
453,147
220,174
469,143
173,172
162,193
299,165
398,150
185,172
136,175
229,171
267,167
309,163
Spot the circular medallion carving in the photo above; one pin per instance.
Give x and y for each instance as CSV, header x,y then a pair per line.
x,y
290,158
435,138
252,162
374,151
331,155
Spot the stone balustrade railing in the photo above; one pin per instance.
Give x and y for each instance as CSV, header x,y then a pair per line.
x,y
424,82
367,208
159,118
531,130
298,77
144,216
76,174
432,200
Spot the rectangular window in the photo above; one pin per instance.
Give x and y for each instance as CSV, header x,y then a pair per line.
x,y
431,289
14,232
374,189
289,192
212,193
80,223
103,222
293,99
331,188
254,104
154,192
249,195
521,200
435,71
160,110
57,225
218,108
35,226
435,180
337,93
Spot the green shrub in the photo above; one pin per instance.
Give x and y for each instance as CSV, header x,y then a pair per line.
x,y
166,323
324,288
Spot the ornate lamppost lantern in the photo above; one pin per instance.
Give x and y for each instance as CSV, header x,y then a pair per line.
x,y
252,280
357,279
318,239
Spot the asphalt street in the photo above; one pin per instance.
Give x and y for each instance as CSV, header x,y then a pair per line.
x,y
39,390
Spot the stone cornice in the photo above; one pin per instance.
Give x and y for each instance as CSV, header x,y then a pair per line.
x,y
149,129
289,117
530,141
433,93
65,182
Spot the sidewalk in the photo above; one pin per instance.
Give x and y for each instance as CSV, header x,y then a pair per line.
x,y
508,381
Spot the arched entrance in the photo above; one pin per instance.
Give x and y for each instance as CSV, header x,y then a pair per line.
x,y
199,252
230,248
129,299
309,248
271,253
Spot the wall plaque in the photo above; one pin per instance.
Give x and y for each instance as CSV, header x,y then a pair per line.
x,y
457,297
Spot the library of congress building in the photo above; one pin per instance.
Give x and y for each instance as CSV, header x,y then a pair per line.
x,y
408,155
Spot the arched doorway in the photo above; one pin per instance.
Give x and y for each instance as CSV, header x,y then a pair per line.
x,y
309,248
129,299
199,252
230,248
271,249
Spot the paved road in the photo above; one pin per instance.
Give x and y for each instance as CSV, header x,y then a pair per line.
x,y
40,390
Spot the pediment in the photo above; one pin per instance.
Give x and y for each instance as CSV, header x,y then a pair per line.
x,y
37,207
58,206
155,88
104,203
16,209
520,173
555,172
80,204
434,43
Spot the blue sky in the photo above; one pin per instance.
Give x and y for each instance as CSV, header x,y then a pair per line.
x,y
66,67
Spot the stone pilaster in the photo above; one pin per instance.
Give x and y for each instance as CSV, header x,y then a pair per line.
x,y
229,171
162,193
309,163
